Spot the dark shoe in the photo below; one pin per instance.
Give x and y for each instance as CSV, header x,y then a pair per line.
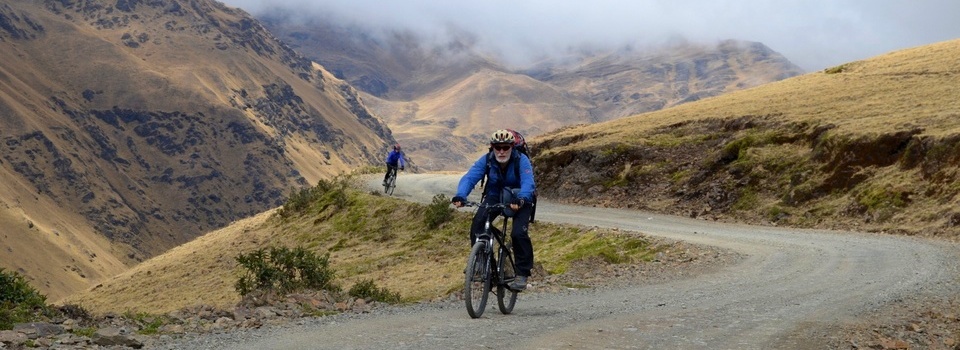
x,y
519,283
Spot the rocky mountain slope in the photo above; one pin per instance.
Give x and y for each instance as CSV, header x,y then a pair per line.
x,y
443,99
130,127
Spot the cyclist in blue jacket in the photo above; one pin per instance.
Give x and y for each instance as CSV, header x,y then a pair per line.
x,y
504,167
394,160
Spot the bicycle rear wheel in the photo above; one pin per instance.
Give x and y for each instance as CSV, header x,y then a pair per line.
x,y
476,287
506,297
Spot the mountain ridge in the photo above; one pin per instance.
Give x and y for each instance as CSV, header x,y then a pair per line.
x,y
406,77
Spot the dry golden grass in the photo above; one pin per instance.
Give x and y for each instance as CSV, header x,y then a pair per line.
x,y
376,238
198,272
901,90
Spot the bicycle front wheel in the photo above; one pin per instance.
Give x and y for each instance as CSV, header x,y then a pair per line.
x,y
391,184
476,287
506,297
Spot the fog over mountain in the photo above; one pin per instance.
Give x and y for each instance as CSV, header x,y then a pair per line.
x,y
813,34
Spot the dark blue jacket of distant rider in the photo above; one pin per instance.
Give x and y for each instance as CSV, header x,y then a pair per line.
x,y
498,179
395,159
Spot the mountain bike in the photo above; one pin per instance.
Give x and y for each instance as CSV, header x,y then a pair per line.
x,y
391,182
490,264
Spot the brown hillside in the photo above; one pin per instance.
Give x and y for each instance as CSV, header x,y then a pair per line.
x,y
131,127
630,82
448,129
870,144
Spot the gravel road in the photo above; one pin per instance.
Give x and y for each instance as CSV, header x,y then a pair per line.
x,y
791,288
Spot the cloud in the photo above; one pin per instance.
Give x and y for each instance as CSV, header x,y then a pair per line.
x,y
814,34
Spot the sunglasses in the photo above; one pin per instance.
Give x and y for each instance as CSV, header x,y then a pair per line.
x,y
502,147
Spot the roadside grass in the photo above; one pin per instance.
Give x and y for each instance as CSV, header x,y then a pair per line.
x,y
377,245
389,241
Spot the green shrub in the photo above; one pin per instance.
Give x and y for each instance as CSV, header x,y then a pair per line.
x,y
283,270
298,202
836,69
84,331
323,195
149,324
438,212
75,312
875,198
735,149
19,302
368,290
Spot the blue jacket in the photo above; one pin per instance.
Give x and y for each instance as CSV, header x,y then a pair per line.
x,y
497,180
396,157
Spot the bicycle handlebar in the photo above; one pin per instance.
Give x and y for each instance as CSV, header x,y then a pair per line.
x,y
485,205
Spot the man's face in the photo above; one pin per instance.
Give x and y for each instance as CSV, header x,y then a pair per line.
x,y
502,152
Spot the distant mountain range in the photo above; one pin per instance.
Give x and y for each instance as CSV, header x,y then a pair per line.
x,y
441,100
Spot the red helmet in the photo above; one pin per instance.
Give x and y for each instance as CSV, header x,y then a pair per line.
x,y
517,138
396,147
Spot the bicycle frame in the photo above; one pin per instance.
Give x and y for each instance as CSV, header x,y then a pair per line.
x,y
497,268
502,246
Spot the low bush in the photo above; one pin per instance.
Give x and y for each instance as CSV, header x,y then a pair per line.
x,y
284,270
19,302
368,290
438,212
836,69
323,195
148,324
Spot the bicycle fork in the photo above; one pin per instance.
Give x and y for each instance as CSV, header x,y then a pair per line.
x,y
489,239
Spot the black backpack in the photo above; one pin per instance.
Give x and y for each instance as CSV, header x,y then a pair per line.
x,y
521,146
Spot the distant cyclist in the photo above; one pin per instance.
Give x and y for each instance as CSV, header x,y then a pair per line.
x,y
501,167
394,160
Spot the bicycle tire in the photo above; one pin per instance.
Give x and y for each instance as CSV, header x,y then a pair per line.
x,y
506,297
476,287
391,184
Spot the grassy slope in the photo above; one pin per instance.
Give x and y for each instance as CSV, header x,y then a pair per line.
x,y
374,237
909,88
870,144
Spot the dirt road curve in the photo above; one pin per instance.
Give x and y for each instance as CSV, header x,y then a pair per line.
x,y
793,285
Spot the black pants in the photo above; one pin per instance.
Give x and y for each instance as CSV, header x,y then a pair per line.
x,y
391,169
519,235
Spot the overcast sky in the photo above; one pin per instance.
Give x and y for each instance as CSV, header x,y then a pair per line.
x,y
814,34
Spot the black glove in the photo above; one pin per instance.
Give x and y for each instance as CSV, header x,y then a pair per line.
x,y
518,202
458,199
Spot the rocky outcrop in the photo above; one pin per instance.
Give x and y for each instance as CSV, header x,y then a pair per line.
x,y
727,174
17,25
